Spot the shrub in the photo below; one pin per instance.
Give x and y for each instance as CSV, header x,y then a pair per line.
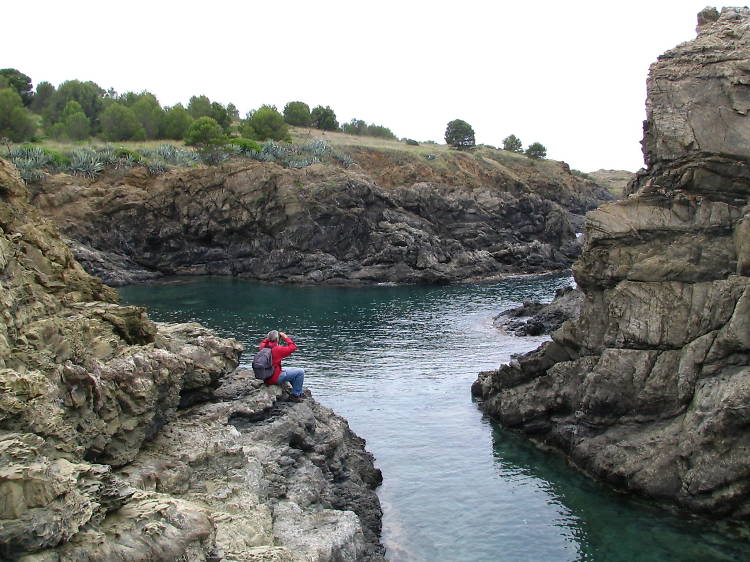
x,y
411,142
537,151
204,131
265,123
123,152
246,146
459,134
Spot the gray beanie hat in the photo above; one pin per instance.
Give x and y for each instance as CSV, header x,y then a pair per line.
x,y
273,335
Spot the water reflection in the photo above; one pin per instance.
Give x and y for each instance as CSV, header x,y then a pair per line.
x,y
398,363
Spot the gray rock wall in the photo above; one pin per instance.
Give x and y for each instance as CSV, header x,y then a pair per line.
x,y
649,388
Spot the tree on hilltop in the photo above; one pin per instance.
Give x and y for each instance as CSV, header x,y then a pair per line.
x,y
537,151
297,114
324,118
459,134
512,143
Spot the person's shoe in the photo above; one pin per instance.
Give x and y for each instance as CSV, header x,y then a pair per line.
x,y
293,398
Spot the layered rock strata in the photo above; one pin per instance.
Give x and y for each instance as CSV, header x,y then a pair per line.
x,y
383,221
649,389
122,439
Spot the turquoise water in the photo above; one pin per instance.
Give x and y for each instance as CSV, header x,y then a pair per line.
x,y
398,363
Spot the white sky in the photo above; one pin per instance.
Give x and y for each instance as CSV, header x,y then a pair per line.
x,y
569,74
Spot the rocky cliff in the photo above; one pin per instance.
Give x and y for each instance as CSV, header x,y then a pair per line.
x,y
121,439
649,390
391,217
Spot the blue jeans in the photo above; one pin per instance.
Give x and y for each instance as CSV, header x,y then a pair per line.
x,y
294,376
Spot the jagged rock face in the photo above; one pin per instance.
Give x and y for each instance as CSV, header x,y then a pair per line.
x,y
649,389
698,92
120,439
320,224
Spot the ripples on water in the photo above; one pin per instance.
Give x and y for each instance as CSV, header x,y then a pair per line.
x,y
398,363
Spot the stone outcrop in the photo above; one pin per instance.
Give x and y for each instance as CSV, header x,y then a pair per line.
x,y
122,439
649,389
388,219
535,318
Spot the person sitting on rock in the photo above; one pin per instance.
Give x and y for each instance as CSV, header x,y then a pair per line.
x,y
295,376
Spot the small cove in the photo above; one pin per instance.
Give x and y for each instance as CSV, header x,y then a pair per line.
x,y
398,363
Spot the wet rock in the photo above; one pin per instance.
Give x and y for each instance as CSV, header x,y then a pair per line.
x,y
535,318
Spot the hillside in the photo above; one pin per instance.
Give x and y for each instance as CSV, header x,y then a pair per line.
x,y
389,212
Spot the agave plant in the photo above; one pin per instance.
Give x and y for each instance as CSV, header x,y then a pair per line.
x,y
342,158
29,169
85,162
157,167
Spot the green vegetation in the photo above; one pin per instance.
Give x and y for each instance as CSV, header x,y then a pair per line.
x,y
265,123
204,131
324,118
359,127
16,122
21,83
35,162
537,151
297,114
513,144
459,134
119,123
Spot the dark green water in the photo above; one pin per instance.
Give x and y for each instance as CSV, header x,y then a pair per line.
x,y
398,363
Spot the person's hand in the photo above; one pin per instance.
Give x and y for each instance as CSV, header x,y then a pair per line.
x,y
283,335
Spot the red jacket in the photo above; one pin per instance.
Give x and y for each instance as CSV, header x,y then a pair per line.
x,y
278,352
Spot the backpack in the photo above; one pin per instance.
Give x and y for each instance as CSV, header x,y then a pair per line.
x,y
263,364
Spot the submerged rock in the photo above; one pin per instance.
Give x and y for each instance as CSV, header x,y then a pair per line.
x,y
649,388
123,439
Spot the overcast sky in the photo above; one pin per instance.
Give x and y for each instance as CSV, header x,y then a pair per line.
x,y
571,75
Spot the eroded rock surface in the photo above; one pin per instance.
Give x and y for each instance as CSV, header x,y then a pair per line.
x,y
386,220
535,318
649,390
122,439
